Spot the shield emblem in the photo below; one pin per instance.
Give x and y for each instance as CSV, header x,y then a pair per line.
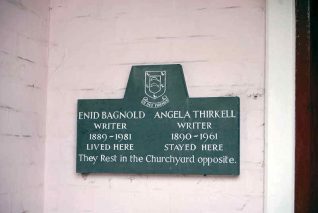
x,y
155,83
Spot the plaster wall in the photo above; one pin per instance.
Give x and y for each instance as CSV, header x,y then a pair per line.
x,y
93,44
23,78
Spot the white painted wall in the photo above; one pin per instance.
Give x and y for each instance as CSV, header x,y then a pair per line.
x,y
219,43
93,44
23,73
280,107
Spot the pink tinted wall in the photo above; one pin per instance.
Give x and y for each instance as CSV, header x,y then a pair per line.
x,y
23,77
93,45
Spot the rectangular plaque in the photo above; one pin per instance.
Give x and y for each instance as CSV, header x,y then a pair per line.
x,y
158,129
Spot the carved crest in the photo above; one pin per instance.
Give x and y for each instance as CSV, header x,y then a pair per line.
x,y
155,84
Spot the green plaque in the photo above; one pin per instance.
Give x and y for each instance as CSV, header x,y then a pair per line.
x,y
158,129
